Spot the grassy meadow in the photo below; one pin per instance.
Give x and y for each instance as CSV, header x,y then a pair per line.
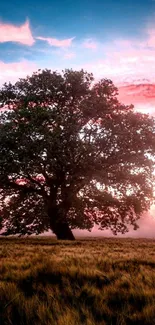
x,y
89,281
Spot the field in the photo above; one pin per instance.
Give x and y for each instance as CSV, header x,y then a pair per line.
x,y
89,281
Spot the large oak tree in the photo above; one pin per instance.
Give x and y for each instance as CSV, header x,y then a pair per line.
x,y
72,156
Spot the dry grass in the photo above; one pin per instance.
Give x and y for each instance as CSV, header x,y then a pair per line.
x,y
98,281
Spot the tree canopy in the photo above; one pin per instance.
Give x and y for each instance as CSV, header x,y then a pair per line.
x,y
72,156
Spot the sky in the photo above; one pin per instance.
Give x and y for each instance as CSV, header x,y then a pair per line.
x,y
112,38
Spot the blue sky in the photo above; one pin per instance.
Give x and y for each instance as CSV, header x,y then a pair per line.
x,y
114,39
83,17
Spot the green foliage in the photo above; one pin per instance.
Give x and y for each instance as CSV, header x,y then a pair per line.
x,y
71,154
90,282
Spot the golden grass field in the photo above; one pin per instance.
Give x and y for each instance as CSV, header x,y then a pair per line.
x,y
89,281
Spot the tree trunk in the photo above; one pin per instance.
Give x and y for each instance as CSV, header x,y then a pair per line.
x,y
63,231
60,226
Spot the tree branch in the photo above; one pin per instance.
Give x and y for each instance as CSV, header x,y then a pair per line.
x,y
24,188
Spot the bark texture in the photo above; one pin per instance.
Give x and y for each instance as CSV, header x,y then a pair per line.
x,y
60,226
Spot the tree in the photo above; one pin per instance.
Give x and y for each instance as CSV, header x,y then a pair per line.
x,y
72,156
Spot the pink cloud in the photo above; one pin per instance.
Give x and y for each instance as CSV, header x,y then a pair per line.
x,y
15,70
141,95
55,42
90,44
20,34
127,64
131,66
